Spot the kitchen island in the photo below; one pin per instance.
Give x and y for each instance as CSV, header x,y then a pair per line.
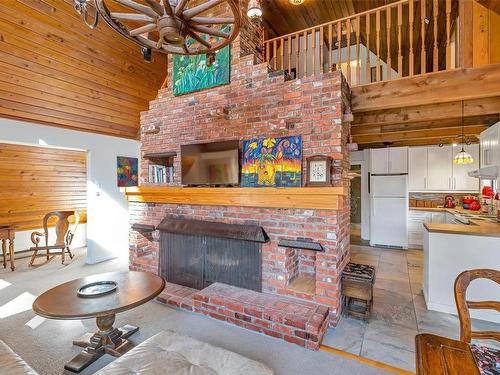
x,y
450,249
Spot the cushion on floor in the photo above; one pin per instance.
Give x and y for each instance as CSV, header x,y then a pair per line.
x,y
11,363
487,359
169,352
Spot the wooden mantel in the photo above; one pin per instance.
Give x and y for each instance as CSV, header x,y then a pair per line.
x,y
324,198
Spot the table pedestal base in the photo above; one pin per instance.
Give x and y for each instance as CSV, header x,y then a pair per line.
x,y
108,340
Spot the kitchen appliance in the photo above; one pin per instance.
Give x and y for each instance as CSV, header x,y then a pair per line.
x,y
449,201
389,210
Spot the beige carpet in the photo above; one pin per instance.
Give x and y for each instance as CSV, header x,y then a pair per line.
x,y
46,344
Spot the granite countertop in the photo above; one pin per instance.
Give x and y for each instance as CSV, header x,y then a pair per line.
x,y
476,227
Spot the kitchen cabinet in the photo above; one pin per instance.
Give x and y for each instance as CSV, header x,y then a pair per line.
x,y
439,168
391,160
490,147
416,221
461,180
417,168
431,169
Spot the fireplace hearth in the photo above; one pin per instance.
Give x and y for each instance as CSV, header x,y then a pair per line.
x,y
197,253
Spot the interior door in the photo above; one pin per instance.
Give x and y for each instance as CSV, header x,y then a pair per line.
x,y
417,168
461,179
439,168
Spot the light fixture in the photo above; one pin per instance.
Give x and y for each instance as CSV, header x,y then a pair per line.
x,y
172,26
254,10
295,2
463,157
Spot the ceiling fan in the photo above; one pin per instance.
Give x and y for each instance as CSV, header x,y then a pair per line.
x,y
167,26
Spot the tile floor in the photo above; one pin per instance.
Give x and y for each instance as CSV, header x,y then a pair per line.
x,y
399,311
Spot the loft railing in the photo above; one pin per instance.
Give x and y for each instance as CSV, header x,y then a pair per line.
x,y
402,39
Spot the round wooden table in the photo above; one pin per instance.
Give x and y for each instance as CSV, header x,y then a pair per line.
x,y
62,302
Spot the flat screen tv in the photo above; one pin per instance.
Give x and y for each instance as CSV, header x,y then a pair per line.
x,y
215,163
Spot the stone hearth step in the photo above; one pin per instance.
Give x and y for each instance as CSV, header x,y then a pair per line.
x,y
178,295
300,322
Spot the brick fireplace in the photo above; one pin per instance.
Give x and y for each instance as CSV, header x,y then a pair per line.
x,y
260,104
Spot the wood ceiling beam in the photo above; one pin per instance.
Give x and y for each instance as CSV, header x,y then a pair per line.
x,y
469,131
486,120
419,142
449,86
428,112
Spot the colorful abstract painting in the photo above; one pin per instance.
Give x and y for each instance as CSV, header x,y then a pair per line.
x,y
127,171
191,72
272,162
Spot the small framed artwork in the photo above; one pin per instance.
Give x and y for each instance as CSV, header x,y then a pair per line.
x,y
127,171
319,170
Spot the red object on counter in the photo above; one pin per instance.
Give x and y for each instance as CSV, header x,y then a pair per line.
x,y
449,201
475,206
488,191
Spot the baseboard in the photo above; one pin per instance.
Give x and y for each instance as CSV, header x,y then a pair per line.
x,y
366,361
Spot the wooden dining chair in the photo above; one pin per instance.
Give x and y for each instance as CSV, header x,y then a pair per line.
x,y
487,358
64,236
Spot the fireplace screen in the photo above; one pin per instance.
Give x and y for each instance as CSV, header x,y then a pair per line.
x,y
197,260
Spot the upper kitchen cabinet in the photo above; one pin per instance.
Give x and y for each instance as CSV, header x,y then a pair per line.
x,y
490,147
417,168
392,160
461,180
431,169
439,168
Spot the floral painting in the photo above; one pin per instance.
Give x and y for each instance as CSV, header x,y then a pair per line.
x,y
191,72
127,171
272,162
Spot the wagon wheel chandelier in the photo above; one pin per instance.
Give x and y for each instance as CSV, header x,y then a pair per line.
x,y
167,26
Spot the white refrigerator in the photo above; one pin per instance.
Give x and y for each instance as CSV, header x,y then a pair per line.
x,y
389,210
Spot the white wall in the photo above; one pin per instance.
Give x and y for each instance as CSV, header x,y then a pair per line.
x,y
107,208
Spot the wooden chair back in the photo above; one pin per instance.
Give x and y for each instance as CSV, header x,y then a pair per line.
x,y
64,236
461,284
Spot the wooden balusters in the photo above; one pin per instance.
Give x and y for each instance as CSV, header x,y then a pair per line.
x,y
448,32
275,54
388,41
297,51
368,65
339,47
282,62
411,13
358,62
400,56
330,43
323,45
305,53
423,19
313,50
435,54
348,36
321,40
377,29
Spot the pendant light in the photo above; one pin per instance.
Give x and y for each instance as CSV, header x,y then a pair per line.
x,y
254,10
463,157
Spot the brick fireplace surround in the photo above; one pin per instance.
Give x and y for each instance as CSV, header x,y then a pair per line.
x,y
260,105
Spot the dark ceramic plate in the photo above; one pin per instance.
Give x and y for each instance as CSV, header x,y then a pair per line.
x,y
97,289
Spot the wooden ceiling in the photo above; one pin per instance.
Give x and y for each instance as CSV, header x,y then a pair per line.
x,y
56,71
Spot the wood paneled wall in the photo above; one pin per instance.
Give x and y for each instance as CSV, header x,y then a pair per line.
x,y
36,180
55,70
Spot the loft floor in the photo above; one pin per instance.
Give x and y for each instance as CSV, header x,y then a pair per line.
x,y
399,310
